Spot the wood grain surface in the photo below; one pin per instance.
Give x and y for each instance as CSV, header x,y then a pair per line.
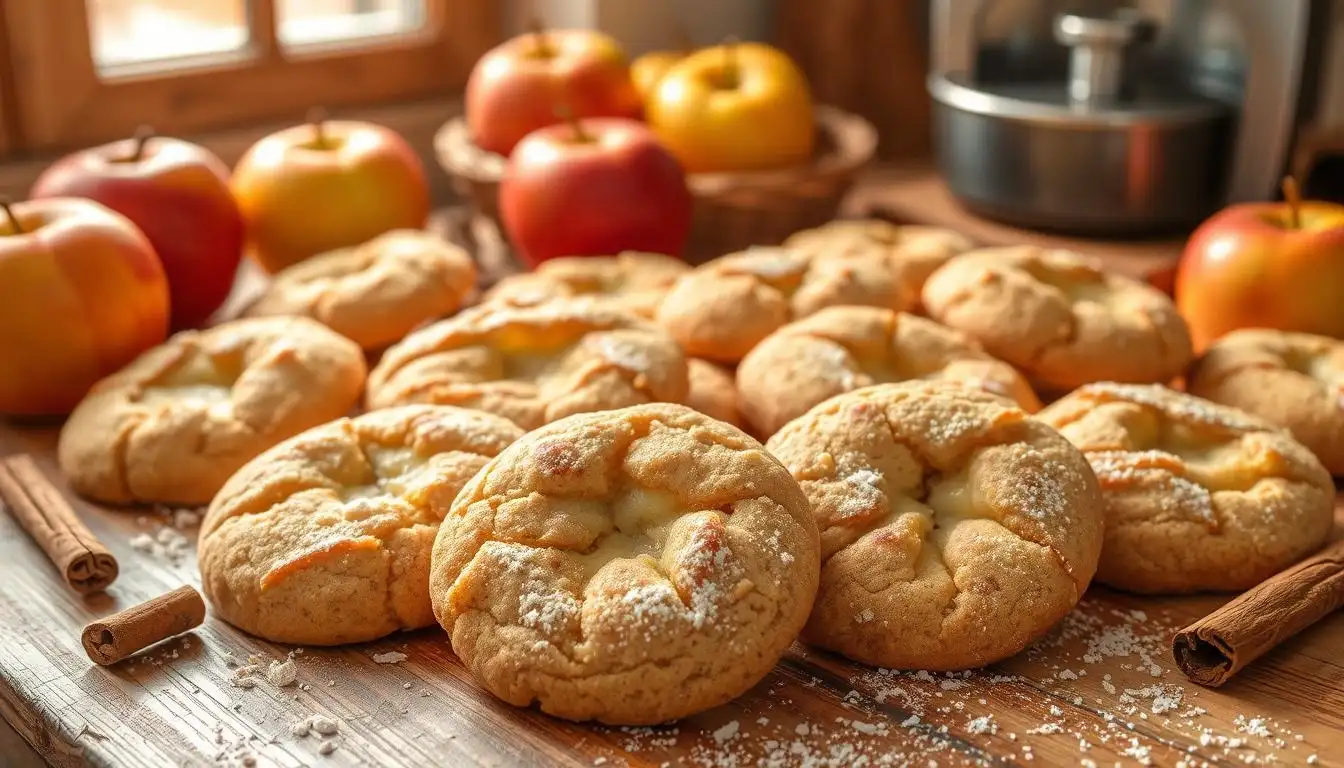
x,y
1100,689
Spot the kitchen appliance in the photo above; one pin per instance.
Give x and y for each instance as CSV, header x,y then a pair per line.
x,y
1101,117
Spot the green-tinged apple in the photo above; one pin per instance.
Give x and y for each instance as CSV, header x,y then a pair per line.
x,y
515,86
1265,265
177,193
593,187
82,293
325,185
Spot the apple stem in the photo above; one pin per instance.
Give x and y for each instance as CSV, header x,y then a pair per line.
x,y
543,43
142,136
10,217
730,70
1293,195
568,116
316,117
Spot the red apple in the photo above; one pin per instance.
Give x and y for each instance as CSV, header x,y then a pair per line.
x,y
1258,265
594,187
177,193
81,295
515,86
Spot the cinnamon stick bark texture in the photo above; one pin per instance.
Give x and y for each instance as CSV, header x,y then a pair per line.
x,y
1220,645
140,626
44,512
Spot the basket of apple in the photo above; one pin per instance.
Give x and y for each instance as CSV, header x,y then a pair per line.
x,y
570,149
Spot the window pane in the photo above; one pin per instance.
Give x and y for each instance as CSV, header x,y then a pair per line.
x,y
145,31
305,22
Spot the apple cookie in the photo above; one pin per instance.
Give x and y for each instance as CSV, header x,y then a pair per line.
x,y
723,308
326,538
840,349
173,425
1293,380
955,528
712,391
918,250
633,567
631,281
532,364
375,293
1199,496
1060,318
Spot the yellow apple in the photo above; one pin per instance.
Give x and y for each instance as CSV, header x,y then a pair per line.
x,y
648,69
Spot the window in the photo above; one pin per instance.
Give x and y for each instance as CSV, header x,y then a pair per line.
x,y
87,71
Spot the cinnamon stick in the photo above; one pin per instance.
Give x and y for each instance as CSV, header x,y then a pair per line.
x,y
47,516
1220,645
140,626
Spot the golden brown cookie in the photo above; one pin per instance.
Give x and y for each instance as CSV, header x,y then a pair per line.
x,y
633,566
1199,496
1059,317
916,251
725,307
377,292
840,349
326,538
1293,380
532,364
955,528
175,423
633,281
712,391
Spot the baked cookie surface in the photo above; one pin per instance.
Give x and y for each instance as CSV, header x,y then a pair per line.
x,y
632,281
722,308
326,538
173,425
840,349
1199,496
1292,380
532,364
632,567
955,529
712,391
1059,318
377,292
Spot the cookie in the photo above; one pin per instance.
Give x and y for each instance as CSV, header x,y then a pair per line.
x,y
1292,380
917,251
955,528
723,308
175,423
1199,496
1059,318
712,391
326,538
632,281
377,292
840,349
632,567
532,364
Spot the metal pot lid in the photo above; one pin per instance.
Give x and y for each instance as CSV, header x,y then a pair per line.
x,y
1051,103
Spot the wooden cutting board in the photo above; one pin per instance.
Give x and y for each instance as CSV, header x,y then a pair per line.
x,y
1100,688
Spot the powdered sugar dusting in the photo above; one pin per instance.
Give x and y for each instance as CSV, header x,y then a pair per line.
x,y
1122,470
862,494
1175,404
1038,489
542,605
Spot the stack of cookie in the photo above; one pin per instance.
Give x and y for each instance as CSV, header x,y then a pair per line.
x,y
624,486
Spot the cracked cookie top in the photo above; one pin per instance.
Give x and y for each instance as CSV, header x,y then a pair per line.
x,y
724,307
1199,496
377,292
326,538
532,364
1293,380
955,529
632,567
840,349
1059,317
175,423
632,281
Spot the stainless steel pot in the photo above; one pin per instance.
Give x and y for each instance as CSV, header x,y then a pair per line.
x,y
1089,156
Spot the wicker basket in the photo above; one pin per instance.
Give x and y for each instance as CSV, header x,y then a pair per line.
x,y
732,210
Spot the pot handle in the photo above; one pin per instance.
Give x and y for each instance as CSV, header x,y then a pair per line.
x,y
1097,53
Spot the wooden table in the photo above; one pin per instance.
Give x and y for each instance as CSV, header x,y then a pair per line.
x,y
1100,688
